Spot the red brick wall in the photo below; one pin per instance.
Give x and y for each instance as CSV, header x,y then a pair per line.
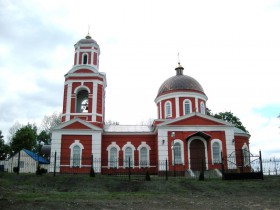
x,y
135,140
95,58
67,140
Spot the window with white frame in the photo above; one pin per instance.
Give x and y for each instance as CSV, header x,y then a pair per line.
x,y
113,155
144,154
113,160
76,154
177,153
168,109
128,158
246,155
143,157
216,152
187,107
202,108
85,58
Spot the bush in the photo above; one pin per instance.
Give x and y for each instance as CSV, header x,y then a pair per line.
x,y
41,171
16,169
148,177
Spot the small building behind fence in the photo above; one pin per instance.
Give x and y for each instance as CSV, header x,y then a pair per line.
x,y
26,161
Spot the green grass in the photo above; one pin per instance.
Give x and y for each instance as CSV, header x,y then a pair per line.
x,y
29,187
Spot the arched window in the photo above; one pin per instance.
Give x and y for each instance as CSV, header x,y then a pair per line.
x,y
246,155
76,156
82,101
113,155
187,107
202,108
85,58
128,157
216,152
143,157
168,112
144,154
113,160
177,153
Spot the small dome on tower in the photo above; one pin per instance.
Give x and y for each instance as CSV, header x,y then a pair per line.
x,y
87,40
180,82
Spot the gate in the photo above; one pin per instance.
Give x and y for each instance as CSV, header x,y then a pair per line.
x,y
242,165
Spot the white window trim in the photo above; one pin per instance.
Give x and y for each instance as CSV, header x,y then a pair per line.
x,y
143,144
221,149
182,151
113,144
187,100
165,110
81,87
202,111
76,143
128,144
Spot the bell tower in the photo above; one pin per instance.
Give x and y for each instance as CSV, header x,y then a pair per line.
x,y
84,86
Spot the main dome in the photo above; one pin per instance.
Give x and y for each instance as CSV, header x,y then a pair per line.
x,y
180,82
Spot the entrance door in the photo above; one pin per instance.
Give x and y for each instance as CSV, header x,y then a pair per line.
x,y
197,155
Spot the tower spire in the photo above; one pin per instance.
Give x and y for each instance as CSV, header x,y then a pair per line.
x,y
88,34
179,69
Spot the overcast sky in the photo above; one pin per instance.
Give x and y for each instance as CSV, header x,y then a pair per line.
x,y
232,48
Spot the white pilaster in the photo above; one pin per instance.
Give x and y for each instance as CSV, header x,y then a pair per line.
x,y
177,107
196,104
68,101
55,147
229,132
162,149
160,111
96,151
92,52
94,101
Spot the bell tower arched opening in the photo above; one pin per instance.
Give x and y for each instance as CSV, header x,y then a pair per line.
x,y
82,101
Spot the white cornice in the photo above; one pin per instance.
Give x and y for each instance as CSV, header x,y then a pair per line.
x,y
85,123
82,66
181,94
169,121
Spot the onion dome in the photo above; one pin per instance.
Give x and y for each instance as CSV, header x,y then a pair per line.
x,y
180,82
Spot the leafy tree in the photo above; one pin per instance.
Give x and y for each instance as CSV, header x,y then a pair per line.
x,y
43,137
4,148
25,137
231,118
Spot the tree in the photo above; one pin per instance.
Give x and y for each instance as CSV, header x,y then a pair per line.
x,y
111,122
13,130
4,148
231,118
25,138
47,125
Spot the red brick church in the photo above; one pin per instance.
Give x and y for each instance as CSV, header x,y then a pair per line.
x,y
183,134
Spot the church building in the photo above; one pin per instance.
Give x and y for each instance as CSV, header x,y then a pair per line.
x,y
182,138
